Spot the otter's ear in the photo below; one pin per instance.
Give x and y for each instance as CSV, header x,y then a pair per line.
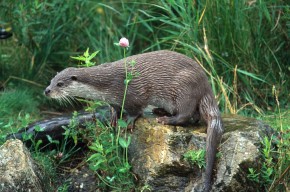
x,y
74,78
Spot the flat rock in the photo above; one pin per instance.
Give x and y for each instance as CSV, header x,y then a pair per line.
x,y
156,154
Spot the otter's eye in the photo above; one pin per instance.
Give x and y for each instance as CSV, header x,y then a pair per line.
x,y
59,84
74,78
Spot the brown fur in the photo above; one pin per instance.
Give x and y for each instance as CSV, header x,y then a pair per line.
x,y
166,79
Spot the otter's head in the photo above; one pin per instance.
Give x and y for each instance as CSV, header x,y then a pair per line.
x,y
73,82
63,84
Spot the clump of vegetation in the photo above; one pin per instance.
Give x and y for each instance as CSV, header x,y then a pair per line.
x,y
109,162
196,157
274,171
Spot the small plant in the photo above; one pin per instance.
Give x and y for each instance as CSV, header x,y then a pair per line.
x,y
266,172
64,187
64,150
86,58
196,157
253,176
110,168
23,121
71,130
268,164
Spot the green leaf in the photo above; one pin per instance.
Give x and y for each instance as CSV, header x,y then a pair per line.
x,y
124,143
75,138
94,167
37,144
123,170
86,54
97,147
38,128
129,140
79,58
122,123
93,55
100,161
127,81
132,63
93,148
130,76
250,75
95,156
51,140
26,136
110,179
109,150
112,159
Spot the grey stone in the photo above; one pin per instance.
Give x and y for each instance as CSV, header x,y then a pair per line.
x,y
18,171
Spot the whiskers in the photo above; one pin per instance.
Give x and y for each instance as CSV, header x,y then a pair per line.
x,y
65,100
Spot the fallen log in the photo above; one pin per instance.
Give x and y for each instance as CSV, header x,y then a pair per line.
x,y
54,127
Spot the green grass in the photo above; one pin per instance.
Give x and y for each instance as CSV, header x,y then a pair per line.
x,y
17,102
15,108
237,42
20,100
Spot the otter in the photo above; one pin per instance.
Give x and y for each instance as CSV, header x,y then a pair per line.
x,y
166,79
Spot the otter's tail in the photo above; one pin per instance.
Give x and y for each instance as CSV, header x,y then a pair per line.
x,y
210,112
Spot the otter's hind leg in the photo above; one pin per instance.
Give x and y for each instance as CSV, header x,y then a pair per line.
x,y
184,112
196,116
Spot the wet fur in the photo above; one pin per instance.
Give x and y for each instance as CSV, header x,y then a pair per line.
x,y
166,79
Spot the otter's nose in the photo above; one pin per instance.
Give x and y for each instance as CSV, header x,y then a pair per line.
x,y
47,91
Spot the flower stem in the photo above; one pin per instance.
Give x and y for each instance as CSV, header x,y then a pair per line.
x,y
126,84
124,98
